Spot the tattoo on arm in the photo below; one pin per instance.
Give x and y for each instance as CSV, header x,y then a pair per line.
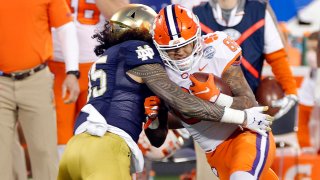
x,y
243,96
158,81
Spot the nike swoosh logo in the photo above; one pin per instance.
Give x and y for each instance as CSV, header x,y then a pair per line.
x,y
201,69
204,91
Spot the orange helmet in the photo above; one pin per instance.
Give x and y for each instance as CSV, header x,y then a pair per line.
x,y
175,27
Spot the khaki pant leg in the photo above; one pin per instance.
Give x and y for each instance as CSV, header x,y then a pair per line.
x,y
204,171
7,126
19,162
38,121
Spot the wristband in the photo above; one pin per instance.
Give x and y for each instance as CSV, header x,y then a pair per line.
x,y
224,100
233,116
76,73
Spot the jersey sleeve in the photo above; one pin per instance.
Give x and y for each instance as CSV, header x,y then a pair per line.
x,y
273,41
59,13
137,53
227,51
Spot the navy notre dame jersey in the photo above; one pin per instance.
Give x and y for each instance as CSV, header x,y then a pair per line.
x,y
118,98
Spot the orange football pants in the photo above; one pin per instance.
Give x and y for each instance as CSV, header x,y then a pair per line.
x,y
303,125
244,151
67,113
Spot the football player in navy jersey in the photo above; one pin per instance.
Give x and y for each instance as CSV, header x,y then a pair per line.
x,y
129,70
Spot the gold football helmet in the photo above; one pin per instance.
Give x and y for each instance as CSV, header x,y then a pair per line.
x,y
133,16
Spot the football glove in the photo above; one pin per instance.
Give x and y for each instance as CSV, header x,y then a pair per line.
x,y
204,90
151,107
257,121
285,104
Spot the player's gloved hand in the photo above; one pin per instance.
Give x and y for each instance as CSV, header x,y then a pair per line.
x,y
285,104
151,107
317,88
205,90
257,121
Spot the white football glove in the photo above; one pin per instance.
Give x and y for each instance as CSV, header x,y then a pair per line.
x,y
285,104
317,88
257,121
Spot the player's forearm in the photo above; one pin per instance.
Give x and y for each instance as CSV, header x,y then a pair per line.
x,y
158,135
187,104
157,80
243,96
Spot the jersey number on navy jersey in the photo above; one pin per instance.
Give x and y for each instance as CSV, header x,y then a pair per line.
x,y
97,75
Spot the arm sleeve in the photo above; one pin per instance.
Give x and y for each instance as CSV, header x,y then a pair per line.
x,y
67,35
281,69
59,13
138,53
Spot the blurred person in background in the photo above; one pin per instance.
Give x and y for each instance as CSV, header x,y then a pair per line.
x,y
307,96
87,18
26,82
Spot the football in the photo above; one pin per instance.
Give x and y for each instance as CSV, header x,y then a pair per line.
x,y
268,90
224,87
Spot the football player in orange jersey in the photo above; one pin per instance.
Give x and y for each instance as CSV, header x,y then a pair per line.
x,y
307,97
253,26
233,152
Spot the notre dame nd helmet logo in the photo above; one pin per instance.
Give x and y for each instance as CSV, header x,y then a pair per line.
x,y
145,52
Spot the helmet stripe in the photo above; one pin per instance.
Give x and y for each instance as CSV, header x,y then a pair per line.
x,y
174,15
166,15
171,22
